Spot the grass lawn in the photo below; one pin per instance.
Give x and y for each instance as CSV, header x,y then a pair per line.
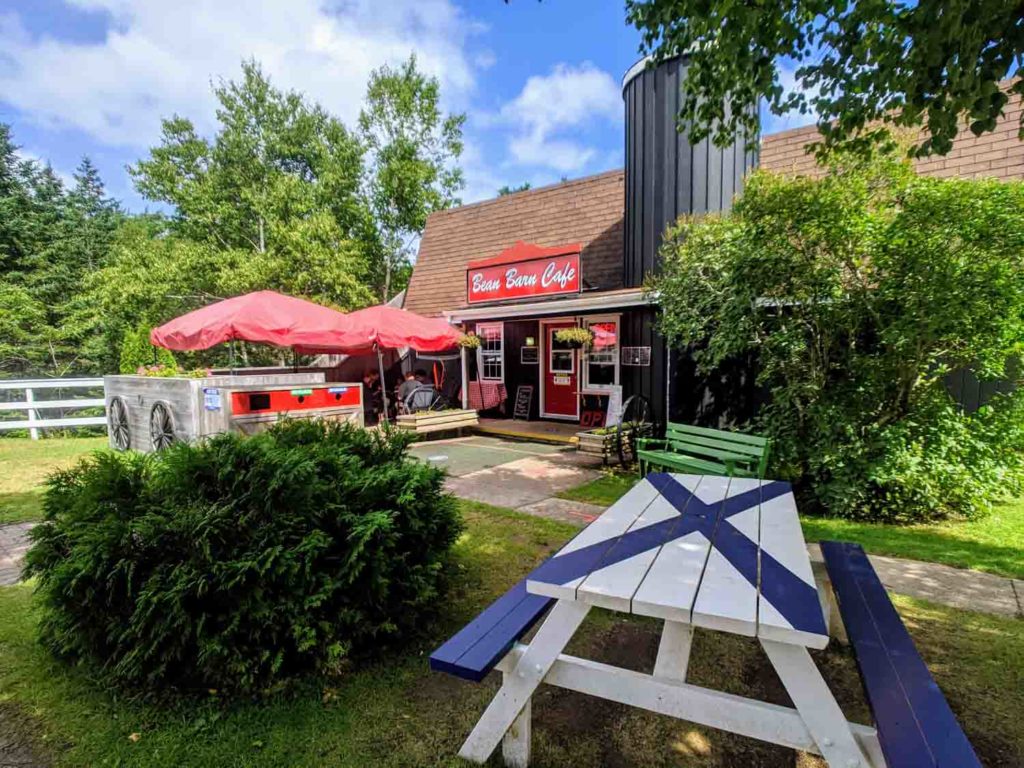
x,y
395,712
24,465
392,711
994,543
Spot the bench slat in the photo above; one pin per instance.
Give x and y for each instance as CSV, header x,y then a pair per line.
x,y
474,650
682,461
721,454
720,434
915,725
733,446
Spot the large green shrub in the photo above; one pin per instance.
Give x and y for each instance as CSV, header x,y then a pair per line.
x,y
238,561
858,293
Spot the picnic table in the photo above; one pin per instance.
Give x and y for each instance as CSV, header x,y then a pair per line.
x,y
725,554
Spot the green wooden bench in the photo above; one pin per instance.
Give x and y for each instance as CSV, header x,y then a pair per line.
x,y
705,451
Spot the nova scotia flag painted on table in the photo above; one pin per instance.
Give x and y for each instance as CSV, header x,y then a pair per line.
x,y
727,514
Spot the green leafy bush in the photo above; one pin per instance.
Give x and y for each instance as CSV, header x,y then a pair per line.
x,y
239,561
858,293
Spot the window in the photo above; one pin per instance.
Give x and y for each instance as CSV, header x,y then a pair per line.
x,y
562,355
601,359
490,356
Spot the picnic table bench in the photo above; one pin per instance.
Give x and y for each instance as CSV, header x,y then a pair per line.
x,y
724,554
703,450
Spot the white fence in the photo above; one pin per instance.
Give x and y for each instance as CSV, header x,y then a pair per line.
x,y
33,406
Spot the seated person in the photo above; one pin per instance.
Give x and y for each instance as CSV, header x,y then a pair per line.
x,y
374,398
422,396
408,386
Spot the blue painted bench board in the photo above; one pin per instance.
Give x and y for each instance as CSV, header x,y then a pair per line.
x,y
476,648
916,727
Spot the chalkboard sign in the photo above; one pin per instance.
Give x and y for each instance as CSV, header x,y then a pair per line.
x,y
524,396
529,356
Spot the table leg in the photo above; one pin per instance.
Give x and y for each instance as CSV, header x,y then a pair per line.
x,y
515,745
674,651
556,631
816,704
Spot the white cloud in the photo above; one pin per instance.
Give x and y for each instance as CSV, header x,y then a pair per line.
x,y
159,57
568,98
67,179
485,59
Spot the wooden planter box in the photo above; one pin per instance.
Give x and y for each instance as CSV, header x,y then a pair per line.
x,y
603,444
437,421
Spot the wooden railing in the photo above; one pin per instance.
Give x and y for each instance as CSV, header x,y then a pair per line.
x,y
34,422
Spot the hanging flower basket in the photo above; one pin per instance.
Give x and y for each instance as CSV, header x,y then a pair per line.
x,y
469,341
575,337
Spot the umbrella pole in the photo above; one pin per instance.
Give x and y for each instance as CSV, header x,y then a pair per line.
x,y
465,379
383,384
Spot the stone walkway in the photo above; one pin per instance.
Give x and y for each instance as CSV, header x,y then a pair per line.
x,y
13,544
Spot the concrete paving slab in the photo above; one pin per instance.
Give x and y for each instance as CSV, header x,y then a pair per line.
x,y
567,511
460,456
13,545
519,483
955,587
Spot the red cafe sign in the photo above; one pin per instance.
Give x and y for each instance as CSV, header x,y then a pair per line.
x,y
523,271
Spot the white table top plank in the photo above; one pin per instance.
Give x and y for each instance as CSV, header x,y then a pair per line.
x,y
590,544
782,541
670,585
726,597
612,584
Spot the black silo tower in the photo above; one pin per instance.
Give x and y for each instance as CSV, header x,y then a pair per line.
x,y
666,175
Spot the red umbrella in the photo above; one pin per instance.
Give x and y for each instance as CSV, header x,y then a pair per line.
x,y
392,328
265,317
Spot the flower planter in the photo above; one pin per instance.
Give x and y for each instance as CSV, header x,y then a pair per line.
x,y
423,422
604,441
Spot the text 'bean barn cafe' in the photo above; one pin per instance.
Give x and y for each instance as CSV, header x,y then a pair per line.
x,y
520,268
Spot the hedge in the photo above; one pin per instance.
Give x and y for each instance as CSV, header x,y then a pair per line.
x,y
240,561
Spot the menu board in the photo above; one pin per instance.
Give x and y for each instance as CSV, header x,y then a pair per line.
x,y
524,397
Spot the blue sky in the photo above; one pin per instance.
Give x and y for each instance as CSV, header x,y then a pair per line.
x,y
538,81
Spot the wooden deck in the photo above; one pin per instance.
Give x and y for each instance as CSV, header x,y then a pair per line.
x,y
561,433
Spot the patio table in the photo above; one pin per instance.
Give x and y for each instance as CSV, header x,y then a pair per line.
x,y
723,554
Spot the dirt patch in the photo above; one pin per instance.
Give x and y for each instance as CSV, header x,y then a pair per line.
x,y
19,747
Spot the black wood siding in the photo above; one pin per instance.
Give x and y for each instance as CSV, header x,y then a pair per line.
x,y
637,330
516,373
666,176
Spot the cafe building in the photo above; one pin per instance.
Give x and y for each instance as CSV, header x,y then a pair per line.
x,y
518,269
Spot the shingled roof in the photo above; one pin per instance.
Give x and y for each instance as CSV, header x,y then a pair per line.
x,y
998,154
590,211
587,211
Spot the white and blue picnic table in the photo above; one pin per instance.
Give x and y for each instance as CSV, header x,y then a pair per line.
x,y
724,554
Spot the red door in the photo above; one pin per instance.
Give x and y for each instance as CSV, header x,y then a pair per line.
x,y
561,399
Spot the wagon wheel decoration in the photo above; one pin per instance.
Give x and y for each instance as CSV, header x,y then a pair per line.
x,y
637,421
117,418
161,427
